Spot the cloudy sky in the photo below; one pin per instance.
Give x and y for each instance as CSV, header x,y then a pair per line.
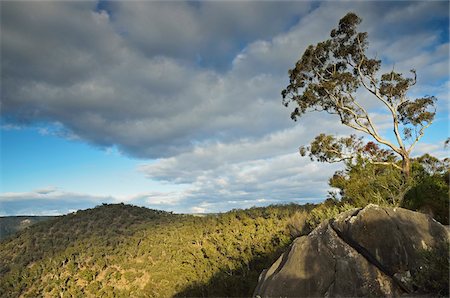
x,y
177,106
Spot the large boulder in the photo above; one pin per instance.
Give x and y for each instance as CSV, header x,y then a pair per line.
x,y
372,251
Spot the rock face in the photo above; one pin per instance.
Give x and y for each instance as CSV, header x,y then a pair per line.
x,y
362,252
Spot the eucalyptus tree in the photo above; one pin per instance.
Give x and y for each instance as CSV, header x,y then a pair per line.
x,y
331,77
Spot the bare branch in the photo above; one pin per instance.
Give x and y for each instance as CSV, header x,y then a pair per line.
x,y
386,164
390,107
421,132
396,131
362,78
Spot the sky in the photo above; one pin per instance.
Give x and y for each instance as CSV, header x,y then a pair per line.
x,y
176,105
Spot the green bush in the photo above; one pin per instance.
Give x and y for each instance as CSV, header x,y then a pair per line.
x,y
430,193
363,183
325,211
433,274
427,191
297,224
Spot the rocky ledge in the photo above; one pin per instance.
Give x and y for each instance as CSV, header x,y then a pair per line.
x,y
373,251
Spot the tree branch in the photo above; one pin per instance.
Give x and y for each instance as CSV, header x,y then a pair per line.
x,y
386,164
421,132
390,107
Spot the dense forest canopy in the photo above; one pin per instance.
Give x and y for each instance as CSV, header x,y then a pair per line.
x,y
128,251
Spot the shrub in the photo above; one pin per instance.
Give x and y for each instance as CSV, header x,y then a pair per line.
x,y
297,224
430,192
433,274
327,210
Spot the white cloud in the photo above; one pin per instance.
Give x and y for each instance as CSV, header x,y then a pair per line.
x,y
201,94
47,201
198,210
111,79
438,150
55,201
267,170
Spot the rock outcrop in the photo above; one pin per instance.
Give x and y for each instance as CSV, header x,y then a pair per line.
x,y
363,252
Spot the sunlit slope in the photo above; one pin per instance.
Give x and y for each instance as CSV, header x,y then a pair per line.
x,y
122,250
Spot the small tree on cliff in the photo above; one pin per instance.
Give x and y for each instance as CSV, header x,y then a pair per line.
x,y
327,78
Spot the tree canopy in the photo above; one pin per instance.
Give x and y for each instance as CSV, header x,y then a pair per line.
x,y
328,78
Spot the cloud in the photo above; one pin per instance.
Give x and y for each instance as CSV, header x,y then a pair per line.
x,y
194,36
246,173
55,201
110,77
147,106
438,149
46,190
196,86
47,202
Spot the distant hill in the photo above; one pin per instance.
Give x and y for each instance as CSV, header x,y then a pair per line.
x,y
10,225
127,251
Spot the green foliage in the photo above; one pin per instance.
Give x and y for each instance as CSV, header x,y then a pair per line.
x,y
298,225
87,275
9,225
352,150
304,221
430,192
127,251
325,211
327,78
433,274
363,182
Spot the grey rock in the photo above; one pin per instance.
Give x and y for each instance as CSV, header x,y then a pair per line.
x,y
362,252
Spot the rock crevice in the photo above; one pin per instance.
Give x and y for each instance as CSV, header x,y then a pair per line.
x,y
362,252
368,256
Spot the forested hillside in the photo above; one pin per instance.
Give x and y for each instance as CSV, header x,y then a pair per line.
x,y
9,225
128,251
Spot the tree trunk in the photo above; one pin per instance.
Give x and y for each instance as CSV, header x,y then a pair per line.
x,y
406,167
406,185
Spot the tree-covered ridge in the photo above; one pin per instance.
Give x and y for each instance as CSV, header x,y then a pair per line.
x,y
9,225
128,251
122,250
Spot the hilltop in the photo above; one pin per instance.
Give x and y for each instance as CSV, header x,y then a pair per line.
x,y
125,251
